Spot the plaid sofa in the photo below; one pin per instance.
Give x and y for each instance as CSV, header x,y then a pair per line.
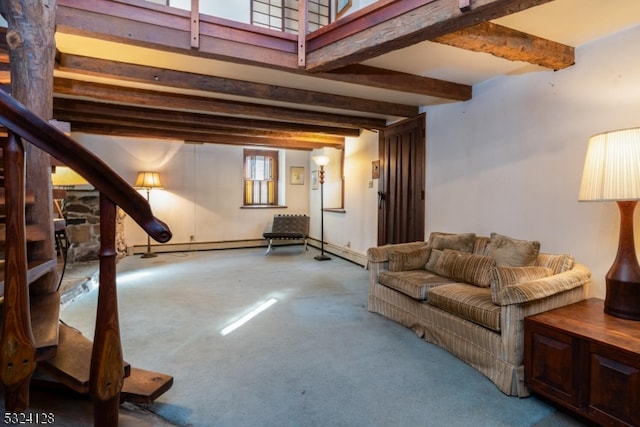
x,y
470,294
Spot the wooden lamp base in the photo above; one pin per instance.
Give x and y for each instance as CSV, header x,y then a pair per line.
x,y
623,279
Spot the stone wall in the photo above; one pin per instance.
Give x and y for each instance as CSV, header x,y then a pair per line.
x,y
81,209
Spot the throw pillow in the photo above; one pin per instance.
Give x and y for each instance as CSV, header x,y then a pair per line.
x,y
510,252
501,277
465,267
433,259
412,260
557,262
459,242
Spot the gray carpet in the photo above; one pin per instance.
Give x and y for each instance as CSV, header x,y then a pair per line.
x,y
316,357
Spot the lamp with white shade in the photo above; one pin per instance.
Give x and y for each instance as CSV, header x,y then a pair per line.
x,y
612,173
148,181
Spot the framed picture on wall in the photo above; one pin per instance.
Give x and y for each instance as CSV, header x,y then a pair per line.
x,y
314,180
341,7
297,175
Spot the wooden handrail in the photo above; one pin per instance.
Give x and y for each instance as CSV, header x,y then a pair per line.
x,y
48,138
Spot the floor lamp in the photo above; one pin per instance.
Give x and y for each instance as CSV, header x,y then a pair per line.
x,y
148,181
321,161
612,173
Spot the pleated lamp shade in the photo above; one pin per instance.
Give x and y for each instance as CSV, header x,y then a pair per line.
x,y
148,180
612,167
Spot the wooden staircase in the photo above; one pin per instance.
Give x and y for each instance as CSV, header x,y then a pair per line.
x,y
35,348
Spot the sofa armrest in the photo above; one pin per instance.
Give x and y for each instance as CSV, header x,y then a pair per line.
x,y
537,289
381,253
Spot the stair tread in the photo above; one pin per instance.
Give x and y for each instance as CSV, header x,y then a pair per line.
x,y
45,311
72,363
29,196
34,232
145,386
35,270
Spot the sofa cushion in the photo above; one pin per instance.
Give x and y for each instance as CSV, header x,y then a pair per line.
x,y
509,252
459,242
468,268
557,262
412,260
501,277
414,283
469,302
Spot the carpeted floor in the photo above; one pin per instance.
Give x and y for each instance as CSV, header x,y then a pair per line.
x,y
316,357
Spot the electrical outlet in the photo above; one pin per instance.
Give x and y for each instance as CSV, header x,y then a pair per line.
x,y
348,245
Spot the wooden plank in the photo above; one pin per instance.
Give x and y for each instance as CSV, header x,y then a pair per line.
x,y
150,98
195,24
202,137
511,44
71,365
392,30
35,270
144,387
45,311
403,82
219,85
29,196
34,233
73,109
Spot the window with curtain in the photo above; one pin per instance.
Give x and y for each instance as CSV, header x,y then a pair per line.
x,y
260,177
282,15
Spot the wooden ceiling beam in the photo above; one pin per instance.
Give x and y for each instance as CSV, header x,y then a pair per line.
x,y
386,26
173,101
157,27
198,137
146,123
68,109
403,82
511,44
212,84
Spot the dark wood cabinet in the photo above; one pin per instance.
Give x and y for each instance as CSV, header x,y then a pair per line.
x,y
587,361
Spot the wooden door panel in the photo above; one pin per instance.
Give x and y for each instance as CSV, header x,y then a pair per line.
x,y
402,180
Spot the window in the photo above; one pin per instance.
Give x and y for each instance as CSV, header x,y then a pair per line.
x,y
260,177
282,15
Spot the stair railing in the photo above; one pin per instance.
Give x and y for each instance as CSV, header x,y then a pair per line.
x,y
17,346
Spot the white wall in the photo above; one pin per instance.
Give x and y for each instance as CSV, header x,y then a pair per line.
x,y
511,159
357,225
203,184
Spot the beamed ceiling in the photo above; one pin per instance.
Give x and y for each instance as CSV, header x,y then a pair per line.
x,y
134,68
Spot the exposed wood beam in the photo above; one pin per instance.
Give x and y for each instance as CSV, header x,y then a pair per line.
x,y
393,30
213,84
70,109
156,99
403,82
511,44
157,123
152,26
133,131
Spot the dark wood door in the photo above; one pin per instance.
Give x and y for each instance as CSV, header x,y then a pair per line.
x,y
402,182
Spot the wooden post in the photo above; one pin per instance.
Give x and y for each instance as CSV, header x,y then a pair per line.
x,y
195,24
30,37
107,366
303,28
17,346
